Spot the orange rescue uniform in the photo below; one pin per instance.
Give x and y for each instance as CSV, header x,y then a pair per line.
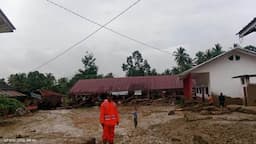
x,y
109,117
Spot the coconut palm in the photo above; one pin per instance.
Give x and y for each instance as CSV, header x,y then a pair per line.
x,y
200,58
217,50
183,59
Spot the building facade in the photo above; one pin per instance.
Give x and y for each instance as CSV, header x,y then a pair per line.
x,y
216,75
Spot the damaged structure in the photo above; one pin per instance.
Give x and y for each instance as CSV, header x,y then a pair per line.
x,y
141,87
47,99
29,102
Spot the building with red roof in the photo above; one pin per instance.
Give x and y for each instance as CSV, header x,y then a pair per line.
x,y
127,86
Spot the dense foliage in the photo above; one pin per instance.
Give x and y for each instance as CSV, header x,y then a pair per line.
x,y
9,105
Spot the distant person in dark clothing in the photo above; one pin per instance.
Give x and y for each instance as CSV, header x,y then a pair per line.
x,y
222,100
135,117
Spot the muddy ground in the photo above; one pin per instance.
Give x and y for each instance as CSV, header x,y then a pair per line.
x,y
155,127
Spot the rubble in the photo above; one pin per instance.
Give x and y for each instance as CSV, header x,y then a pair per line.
x,y
91,141
172,112
197,139
194,117
242,109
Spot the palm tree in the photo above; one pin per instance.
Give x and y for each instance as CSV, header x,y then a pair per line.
x,y
175,70
200,57
217,50
208,54
183,59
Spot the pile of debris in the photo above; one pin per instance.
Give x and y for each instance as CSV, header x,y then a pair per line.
x,y
146,101
242,109
204,109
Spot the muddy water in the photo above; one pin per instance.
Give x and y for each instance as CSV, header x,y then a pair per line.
x,y
77,125
154,126
43,127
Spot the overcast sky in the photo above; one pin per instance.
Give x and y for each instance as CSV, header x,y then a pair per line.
x,y
44,30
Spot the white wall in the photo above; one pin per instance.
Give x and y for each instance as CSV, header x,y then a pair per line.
x,y
222,70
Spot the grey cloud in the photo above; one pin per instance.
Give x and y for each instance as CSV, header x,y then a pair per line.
x,y
43,31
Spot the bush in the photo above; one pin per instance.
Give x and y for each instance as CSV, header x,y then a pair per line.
x,y
9,105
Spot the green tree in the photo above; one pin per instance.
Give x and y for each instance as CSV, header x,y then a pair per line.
x,y
32,81
109,75
208,54
2,81
136,66
175,70
217,50
49,81
62,85
167,72
19,82
200,58
36,80
89,71
153,72
182,59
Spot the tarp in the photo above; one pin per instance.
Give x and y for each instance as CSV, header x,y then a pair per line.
x,y
37,96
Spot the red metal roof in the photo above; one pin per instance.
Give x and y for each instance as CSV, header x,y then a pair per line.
x,y
48,93
126,83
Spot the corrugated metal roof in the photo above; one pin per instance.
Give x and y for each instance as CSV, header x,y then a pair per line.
x,y
5,24
11,93
249,28
48,93
126,83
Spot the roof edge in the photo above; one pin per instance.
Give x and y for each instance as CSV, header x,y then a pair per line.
x,y
7,21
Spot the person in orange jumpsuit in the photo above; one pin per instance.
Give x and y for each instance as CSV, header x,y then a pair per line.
x,y
109,118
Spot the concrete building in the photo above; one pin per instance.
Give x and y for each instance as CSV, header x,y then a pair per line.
x,y
216,75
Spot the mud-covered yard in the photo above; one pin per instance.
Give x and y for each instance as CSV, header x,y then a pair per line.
x,y
155,126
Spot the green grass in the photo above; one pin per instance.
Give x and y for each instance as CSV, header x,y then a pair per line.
x,y
9,105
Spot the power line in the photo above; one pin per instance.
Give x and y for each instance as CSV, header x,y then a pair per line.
x,y
107,28
87,37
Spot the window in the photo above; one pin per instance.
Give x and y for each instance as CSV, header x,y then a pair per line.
x,y
231,58
242,81
234,57
237,57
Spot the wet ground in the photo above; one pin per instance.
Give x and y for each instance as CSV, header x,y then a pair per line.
x,y
155,126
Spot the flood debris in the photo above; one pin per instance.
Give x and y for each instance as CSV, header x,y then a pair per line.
x,y
242,109
91,141
197,139
172,112
195,117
